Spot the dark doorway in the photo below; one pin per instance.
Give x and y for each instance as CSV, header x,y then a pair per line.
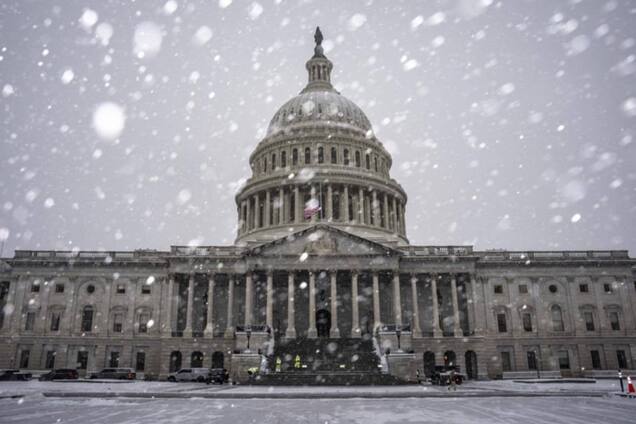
x,y
323,322
196,360
217,360
175,361
429,364
471,364
450,360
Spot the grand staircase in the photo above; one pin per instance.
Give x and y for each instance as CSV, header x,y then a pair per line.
x,y
324,361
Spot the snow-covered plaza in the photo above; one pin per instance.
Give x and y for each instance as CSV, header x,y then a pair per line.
x,y
479,402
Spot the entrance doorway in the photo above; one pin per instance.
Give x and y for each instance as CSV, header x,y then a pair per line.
x,y
323,322
471,364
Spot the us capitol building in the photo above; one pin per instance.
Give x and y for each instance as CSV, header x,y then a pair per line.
x,y
321,269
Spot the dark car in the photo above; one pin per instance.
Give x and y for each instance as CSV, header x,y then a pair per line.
x,y
444,373
115,374
60,374
218,376
14,375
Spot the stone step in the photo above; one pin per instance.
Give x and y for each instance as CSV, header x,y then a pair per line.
x,y
326,379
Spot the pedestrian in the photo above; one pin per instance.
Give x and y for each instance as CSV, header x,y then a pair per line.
x,y
452,384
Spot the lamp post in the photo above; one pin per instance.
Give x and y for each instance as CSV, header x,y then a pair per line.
x,y
398,333
248,333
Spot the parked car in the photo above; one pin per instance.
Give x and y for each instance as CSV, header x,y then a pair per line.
x,y
218,376
60,374
443,374
14,375
190,374
115,374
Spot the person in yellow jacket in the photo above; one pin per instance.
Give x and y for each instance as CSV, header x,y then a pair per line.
x,y
279,364
297,361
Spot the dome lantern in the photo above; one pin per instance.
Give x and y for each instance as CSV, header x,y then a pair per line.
x,y
318,68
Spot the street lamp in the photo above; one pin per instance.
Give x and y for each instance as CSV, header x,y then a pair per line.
x,y
398,333
248,333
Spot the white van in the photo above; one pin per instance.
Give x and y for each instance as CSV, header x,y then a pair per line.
x,y
190,374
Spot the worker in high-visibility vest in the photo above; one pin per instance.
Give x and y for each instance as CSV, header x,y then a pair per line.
x,y
279,364
297,361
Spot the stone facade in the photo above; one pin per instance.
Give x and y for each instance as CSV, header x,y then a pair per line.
x,y
321,251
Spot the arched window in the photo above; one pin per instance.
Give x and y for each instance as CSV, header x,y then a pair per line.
x,y
264,165
307,155
283,159
367,161
375,163
175,361
557,318
321,155
334,155
294,157
357,159
450,359
273,161
346,156
217,360
196,360
87,319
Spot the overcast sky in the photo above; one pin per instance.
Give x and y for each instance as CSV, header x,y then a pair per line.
x,y
128,124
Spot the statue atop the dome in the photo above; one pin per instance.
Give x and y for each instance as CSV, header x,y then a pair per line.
x,y
318,52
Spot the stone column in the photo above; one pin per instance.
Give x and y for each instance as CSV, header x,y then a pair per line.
x,y
188,328
416,330
312,193
329,203
457,328
248,214
334,331
397,301
385,207
297,206
249,298
394,215
268,204
375,208
209,327
376,300
355,314
312,333
229,329
437,331
478,323
361,204
345,200
291,324
269,312
281,206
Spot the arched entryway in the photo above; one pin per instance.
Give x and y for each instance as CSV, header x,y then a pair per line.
x,y
450,359
471,365
323,322
429,363
175,361
217,360
196,360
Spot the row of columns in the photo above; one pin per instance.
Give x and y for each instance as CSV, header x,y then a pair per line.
x,y
291,310
367,209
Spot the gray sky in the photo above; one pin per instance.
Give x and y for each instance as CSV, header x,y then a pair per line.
x,y
512,124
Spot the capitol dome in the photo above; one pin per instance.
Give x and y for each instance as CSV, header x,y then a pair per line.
x,y
320,162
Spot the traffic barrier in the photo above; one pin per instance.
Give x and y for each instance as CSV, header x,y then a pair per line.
x,y
630,385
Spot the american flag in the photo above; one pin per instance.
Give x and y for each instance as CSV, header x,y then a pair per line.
x,y
312,207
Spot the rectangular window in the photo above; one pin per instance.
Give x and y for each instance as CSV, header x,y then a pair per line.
x,y
607,288
114,360
621,358
506,363
4,290
50,359
140,363
498,289
143,323
564,360
527,322
35,287
501,323
59,288
24,358
614,322
55,321
145,289
118,323
121,289
532,360
584,288
589,321
523,289
30,321
82,360
596,359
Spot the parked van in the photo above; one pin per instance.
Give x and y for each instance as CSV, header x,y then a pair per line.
x,y
190,374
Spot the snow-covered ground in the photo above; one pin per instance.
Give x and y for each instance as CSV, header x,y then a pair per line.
x,y
37,409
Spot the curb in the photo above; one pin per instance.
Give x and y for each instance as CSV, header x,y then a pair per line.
x,y
345,395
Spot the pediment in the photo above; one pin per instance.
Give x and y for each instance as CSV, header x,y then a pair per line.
x,y
322,240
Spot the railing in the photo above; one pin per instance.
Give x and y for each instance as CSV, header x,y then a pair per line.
x,y
392,328
252,328
553,255
177,334
87,254
439,250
